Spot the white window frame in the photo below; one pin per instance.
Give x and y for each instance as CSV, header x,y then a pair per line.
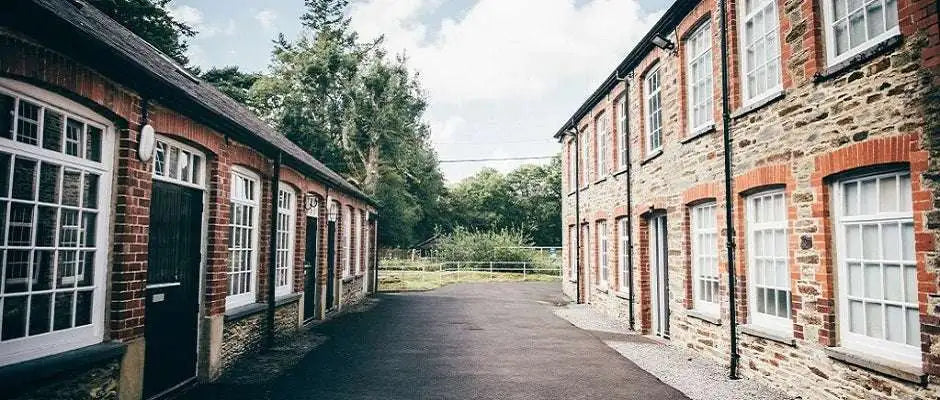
x,y
284,260
250,296
28,347
603,250
831,57
194,177
572,251
697,233
602,131
622,132
624,252
572,166
357,255
585,145
347,241
901,352
648,112
693,61
757,256
746,69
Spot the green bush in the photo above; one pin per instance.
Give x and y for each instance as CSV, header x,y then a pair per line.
x,y
504,248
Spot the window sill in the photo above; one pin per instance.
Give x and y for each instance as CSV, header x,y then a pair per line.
x,y
757,105
765,333
892,368
699,133
711,319
620,172
20,375
836,70
622,295
601,289
240,312
286,299
651,157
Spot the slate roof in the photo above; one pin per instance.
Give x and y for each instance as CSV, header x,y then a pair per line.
x,y
87,20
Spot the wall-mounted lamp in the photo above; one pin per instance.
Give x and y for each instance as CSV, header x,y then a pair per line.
x,y
663,43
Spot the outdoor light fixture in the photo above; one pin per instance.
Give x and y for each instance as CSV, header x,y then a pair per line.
x,y
663,43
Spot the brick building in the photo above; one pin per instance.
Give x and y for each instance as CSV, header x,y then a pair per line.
x,y
152,230
831,109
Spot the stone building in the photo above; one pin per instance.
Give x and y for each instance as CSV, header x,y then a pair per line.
x,y
152,230
832,186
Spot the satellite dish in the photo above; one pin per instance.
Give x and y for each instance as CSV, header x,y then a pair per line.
x,y
147,143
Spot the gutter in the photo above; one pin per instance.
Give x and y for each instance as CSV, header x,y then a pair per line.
x,y
729,212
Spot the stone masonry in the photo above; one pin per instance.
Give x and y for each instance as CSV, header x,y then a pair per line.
x,y
874,111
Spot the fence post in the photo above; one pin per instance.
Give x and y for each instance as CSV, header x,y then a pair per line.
x,y
523,270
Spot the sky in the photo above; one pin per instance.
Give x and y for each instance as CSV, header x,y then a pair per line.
x,y
501,76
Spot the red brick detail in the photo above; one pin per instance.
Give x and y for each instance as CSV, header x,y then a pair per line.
x,y
703,191
620,211
905,149
601,215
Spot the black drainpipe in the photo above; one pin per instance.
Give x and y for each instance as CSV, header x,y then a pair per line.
x,y
577,212
375,252
272,252
729,213
626,100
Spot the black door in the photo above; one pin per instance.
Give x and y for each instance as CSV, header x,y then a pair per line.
x,y
310,271
330,263
172,287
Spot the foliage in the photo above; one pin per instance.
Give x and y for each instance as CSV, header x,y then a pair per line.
x,y
527,199
231,81
151,20
491,245
359,112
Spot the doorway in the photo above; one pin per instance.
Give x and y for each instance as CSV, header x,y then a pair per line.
x,y
311,294
172,303
659,277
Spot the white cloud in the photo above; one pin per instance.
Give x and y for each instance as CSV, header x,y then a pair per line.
x,y
193,17
266,18
504,71
506,49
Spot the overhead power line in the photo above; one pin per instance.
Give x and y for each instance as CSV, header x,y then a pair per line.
x,y
469,160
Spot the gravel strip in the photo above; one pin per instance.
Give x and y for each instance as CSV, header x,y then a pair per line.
x,y
695,376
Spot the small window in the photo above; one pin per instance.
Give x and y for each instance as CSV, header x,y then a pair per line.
x,y
705,258
585,156
602,131
603,258
760,50
654,116
243,238
878,292
622,135
624,253
286,203
853,26
178,163
769,272
698,53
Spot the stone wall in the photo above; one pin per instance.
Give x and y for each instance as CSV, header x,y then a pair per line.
x,y
246,335
876,112
100,382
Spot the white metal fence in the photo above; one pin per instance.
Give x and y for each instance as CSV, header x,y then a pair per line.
x,y
428,274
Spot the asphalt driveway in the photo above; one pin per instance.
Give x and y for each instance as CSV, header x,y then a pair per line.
x,y
466,341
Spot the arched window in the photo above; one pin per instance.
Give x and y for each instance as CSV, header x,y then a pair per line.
x,y
55,196
286,209
243,244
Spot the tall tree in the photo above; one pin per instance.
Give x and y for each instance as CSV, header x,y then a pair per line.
x,y
231,81
151,20
358,111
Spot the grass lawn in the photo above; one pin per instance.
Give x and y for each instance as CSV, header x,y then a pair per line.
x,y
424,280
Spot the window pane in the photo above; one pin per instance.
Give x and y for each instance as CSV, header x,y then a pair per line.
x,y
14,317
15,279
870,244
851,199
63,311
90,191
93,144
783,304
913,327
83,308
173,164
890,240
7,105
27,127
73,136
841,34
855,279
71,187
24,179
5,174
43,270
910,284
892,282
904,184
894,322
21,225
49,183
873,324
907,241
761,307
856,317
891,16
53,124
46,226
40,308
873,281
